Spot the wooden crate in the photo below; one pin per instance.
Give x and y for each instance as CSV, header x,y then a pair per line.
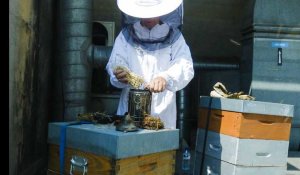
x,y
246,125
150,164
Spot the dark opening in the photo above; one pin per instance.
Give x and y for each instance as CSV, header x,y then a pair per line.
x,y
100,78
100,34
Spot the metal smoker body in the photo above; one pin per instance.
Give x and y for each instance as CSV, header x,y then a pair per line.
x,y
139,104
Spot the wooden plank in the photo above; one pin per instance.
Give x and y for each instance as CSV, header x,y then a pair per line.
x,y
244,125
156,163
96,164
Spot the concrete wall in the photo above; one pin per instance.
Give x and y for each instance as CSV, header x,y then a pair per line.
x,y
212,27
30,50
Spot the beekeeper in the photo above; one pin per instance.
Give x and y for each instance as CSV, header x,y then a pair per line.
x,y
152,46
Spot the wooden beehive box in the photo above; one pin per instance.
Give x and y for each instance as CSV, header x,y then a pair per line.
x,y
246,119
112,152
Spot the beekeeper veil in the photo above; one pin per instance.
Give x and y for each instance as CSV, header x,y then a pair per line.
x,y
170,13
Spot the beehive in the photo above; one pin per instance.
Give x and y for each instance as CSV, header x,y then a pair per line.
x,y
112,152
242,137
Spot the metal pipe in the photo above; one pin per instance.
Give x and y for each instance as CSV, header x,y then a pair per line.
x,y
75,25
216,66
98,56
184,117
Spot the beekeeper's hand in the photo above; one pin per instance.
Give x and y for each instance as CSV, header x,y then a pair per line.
x,y
158,84
121,75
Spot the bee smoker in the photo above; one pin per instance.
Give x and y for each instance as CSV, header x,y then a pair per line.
x,y
139,104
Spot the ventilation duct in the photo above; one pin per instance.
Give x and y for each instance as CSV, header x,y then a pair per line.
x,y
75,29
270,65
98,56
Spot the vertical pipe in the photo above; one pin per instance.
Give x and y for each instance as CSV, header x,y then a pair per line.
x,y
184,113
75,30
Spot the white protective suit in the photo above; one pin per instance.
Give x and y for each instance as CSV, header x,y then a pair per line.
x,y
174,63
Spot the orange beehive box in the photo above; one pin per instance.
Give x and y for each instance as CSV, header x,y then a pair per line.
x,y
246,119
